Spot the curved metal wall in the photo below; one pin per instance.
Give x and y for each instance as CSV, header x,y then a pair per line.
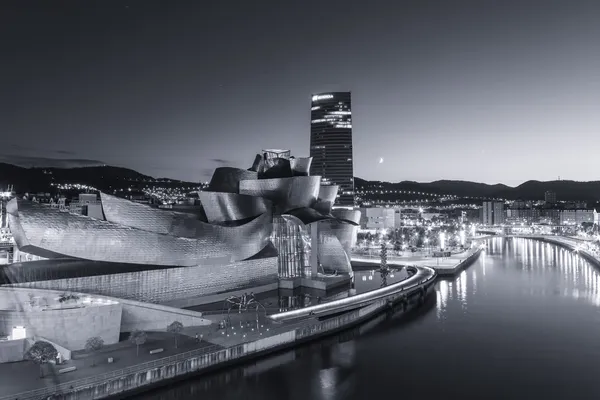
x,y
82,237
301,166
307,215
326,198
227,179
285,193
347,228
331,253
224,207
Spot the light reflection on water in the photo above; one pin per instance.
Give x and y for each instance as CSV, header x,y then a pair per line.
x,y
522,322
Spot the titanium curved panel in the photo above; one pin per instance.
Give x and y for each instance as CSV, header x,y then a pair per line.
x,y
331,253
224,207
227,179
307,215
301,166
346,234
82,237
326,198
349,216
285,193
274,168
256,165
141,216
346,228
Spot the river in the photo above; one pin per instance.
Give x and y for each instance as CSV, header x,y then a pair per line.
x,y
522,322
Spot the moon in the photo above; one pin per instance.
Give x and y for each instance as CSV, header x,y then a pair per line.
x,y
381,160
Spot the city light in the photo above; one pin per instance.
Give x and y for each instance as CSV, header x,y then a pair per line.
x,y
322,97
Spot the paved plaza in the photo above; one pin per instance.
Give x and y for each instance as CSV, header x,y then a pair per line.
x,y
421,259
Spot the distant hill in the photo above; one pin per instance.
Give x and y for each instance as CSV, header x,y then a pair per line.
x,y
530,190
105,178
108,178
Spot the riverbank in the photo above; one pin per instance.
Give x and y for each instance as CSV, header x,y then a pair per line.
x,y
232,347
444,266
569,243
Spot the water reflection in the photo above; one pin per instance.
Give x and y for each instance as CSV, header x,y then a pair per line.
x,y
539,262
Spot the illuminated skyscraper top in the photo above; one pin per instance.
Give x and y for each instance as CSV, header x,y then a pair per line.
x,y
331,143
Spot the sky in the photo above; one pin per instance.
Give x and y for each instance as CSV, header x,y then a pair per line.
x,y
488,91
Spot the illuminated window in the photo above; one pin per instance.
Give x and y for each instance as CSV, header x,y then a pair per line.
x,y
322,97
342,112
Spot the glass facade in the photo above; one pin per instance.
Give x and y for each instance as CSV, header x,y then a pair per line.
x,y
289,238
331,143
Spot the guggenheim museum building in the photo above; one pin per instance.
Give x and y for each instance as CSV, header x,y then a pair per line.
x,y
254,229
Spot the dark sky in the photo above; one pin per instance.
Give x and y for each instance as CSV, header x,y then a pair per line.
x,y
490,91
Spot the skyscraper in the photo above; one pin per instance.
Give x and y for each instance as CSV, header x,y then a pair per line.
x,y
331,143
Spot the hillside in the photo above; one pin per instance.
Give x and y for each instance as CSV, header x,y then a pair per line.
x,y
530,190
109,178
105,178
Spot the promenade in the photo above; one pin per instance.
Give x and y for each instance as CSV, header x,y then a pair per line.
x,y
443,265
24,376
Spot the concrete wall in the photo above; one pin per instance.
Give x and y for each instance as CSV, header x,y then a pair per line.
x,y
67,327
133,314
165,285
149,317
12,350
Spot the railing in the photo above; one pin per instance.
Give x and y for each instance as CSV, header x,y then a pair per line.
x,y
422,274
312,329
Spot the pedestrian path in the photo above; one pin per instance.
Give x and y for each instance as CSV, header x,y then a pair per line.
x,y
24,376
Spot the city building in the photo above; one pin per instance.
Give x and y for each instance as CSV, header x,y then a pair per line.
x,y
378,218
492,213
528,215
550,197
549,216
578,217
331,143
575,205
254,227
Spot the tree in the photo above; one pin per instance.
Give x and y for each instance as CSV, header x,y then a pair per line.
x,y
93,345
383,256
138,338
175,328
41,353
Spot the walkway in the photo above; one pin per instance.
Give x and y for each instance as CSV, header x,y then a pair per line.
x,y
421,260
23,376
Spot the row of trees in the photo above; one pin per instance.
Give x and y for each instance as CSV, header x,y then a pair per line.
x,y
410,237
43,352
